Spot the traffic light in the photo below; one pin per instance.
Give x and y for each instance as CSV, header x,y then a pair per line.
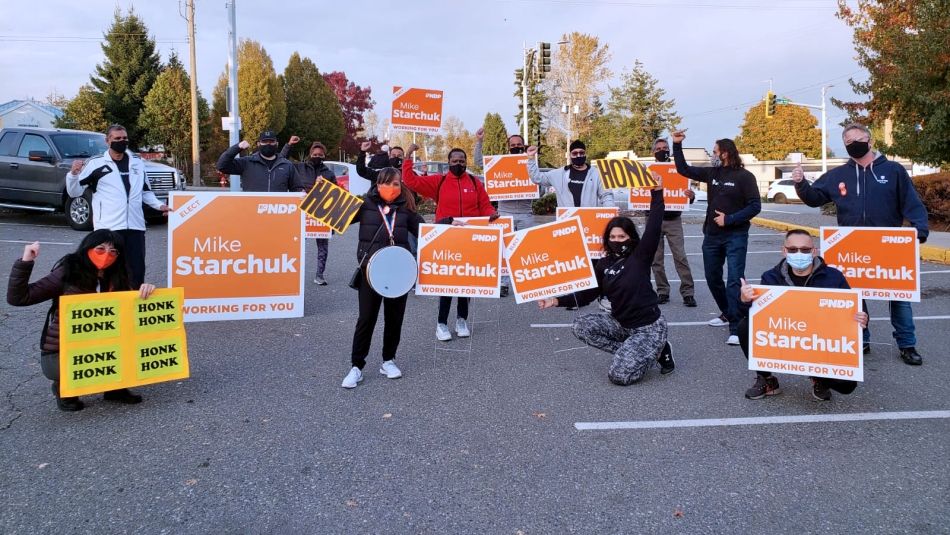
x,y
769,105
544,59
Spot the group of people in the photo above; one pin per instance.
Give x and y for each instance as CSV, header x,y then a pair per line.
x,y
868,191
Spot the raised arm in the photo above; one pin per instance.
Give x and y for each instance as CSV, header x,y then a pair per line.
x,y
427,186
811,194
653,232
229,162
534,172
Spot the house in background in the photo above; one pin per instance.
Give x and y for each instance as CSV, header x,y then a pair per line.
x,y
28,114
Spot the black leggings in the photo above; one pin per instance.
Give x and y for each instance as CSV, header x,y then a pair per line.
x,y
134,255
445,303
393,312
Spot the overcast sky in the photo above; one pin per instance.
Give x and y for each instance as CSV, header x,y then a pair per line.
x,y
714,58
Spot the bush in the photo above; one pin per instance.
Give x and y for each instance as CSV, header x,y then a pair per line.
x,y
546,205
934,191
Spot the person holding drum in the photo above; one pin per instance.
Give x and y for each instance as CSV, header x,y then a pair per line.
x,y
456,194
387,270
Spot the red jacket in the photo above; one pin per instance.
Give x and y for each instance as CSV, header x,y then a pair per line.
x,y
454,196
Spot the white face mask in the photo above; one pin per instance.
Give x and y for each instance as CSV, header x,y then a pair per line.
x,y
799,261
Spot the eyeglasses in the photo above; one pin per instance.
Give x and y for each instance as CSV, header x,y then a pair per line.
x,y
578,153
799,249
102,249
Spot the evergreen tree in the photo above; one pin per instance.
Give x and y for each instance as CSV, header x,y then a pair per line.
x,y
314,111
84,112
261,100
496,136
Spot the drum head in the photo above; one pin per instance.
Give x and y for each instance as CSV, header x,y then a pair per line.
x,y
391,271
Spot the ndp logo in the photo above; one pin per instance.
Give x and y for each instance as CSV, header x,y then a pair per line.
x,y
564,231
484,238
265,208
606,215
835,303
434,96
896,239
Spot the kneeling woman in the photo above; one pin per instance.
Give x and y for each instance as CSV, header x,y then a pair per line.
x,y
634,330
387,217
98,265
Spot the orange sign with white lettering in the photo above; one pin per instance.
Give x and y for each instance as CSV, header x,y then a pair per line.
x,y
506,223
416,110
459,261
594,221
507,179
806,331
549,260
883,262
316,229
675,187
237,255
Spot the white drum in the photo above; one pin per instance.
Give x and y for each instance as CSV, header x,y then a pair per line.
x,y
391,271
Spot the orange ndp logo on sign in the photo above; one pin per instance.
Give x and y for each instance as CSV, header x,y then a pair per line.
x,y
884,263
675,187
549,260
506,178
417,110
594,221
237,255
459,261
806,331
316,229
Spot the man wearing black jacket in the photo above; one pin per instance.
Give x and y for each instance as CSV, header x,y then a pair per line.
x,y
264,170
733,201
396,155
308,172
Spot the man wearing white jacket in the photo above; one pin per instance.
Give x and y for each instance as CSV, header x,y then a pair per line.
x,y
577,185
119,187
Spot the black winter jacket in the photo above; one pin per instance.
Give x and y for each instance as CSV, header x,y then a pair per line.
x,y
372,232
258,174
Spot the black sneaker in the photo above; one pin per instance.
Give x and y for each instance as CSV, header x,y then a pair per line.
x,y
663,299
689,301
819,390
122,395
665,360
504,291
764,386
68,404
910,356
867,348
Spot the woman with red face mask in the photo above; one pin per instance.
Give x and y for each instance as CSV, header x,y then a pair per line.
x,y
98,265
387,217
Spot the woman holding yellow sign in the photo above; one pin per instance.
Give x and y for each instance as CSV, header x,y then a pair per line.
x,y
634,330
98,265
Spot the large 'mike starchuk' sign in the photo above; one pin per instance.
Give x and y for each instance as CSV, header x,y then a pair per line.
x,y
883,262
416,110
549,260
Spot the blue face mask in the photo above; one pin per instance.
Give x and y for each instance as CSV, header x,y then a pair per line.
x,y
799,261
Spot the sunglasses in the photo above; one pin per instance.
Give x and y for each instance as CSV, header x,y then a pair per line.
x,y
799,249
104,250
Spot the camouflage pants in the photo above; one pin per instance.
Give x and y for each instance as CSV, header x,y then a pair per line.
x,y
634,350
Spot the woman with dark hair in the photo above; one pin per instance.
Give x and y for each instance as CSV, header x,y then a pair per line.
x,y
634,330
734,199
97,265
387,217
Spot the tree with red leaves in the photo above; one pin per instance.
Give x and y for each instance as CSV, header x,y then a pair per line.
x,y
354,100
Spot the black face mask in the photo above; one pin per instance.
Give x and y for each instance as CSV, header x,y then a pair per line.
x,y
457,169
857,149
578,161
268,151
395,162
620,248
662,155
119,146
516,150
316,161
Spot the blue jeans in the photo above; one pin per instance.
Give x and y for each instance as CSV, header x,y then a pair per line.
x,y
902,319
726,248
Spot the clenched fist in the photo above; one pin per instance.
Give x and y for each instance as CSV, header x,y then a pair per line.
x,y
77,166
244,145
365,146
31,251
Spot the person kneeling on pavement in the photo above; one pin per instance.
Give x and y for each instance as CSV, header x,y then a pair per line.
x,y
801,266
98,265
634,330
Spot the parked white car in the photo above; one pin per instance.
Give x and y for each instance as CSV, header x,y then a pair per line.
x,y
782,191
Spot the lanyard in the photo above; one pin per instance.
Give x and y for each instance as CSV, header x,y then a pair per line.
x,y
390,225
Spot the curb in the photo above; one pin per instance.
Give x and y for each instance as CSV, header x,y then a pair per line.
x,y
929,253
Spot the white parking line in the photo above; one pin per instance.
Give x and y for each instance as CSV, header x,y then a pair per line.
x,y
693,323
41,243
764,420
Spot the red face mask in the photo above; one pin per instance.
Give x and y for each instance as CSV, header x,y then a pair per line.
x,y
101,259
388,192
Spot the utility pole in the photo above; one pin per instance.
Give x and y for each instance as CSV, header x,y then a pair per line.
x,y
824,123
527,56
235,117
195,150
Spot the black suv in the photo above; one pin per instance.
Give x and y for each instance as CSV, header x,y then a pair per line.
x,y
33,167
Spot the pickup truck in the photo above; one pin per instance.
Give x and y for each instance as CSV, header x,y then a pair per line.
x,y
33,167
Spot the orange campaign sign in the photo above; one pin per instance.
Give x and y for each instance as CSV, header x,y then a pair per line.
x,y
316,229
549,260
594,221
507,179
806,331
506,223
459,261
417,110
237,255
675,187
883,262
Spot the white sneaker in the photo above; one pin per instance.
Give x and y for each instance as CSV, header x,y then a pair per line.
x,y
353,378
720,321
461,328
442,332
733,340
390,370
604,304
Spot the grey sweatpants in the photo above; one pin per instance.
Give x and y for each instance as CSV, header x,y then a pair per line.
x,y
634,350
323,251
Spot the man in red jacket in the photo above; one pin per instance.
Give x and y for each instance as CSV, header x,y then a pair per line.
x,y
456,194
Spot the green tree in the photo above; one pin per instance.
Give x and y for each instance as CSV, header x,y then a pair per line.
x,y
261,100
126,75
496,136
791,129
166,117
316,111
537,100
903,46
84,112
579,70
641,111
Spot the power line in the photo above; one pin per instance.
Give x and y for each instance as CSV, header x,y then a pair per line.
x,y
769,6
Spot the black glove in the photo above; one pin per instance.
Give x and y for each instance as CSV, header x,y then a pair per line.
x,y
922,239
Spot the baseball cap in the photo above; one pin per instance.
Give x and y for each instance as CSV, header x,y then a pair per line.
x,y
267,135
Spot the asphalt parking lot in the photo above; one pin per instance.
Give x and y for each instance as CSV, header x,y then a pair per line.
x,y
478,436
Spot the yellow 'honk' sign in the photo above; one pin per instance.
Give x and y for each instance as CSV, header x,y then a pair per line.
x,y
332,205
616,173
117,340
